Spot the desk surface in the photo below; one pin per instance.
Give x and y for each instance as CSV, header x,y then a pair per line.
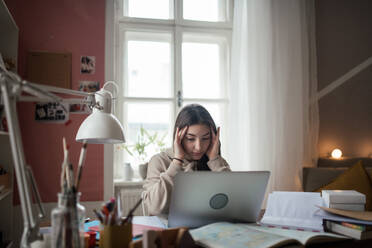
x,y
351,243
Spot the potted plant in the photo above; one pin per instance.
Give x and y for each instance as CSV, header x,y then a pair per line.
x,y
139,149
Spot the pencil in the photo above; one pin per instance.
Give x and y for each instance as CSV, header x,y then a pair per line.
x,y
80,165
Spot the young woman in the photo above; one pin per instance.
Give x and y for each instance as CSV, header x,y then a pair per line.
x,y
196,146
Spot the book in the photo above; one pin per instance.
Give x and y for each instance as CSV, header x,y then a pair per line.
x,y
345,229
343,196
347,206
239,235
356,226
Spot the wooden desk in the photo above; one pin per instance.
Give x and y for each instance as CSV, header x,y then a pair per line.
x,y
351,243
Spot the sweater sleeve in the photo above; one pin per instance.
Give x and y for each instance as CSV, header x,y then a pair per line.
x,y
159,184
218,164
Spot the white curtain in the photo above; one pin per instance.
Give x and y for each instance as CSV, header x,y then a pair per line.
x,y
273,118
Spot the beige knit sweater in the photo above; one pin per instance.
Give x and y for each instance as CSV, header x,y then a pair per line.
x,y
159,181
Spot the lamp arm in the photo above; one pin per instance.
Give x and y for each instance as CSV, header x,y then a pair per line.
x,y
42,92
113,94
11,88
29,223
60,90
115,87
36,192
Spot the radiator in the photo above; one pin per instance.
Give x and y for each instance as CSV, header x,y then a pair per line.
x,y
129,198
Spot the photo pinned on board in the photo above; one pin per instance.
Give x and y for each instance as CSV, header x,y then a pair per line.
x,y
52,112
88,64
88,86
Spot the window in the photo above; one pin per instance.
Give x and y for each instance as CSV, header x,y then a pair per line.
x,y
169,53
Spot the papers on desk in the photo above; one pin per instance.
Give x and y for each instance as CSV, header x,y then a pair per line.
x,y
143,223
140,224
293,210
153,221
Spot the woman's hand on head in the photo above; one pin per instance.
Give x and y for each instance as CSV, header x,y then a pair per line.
x,y
214,147
179,152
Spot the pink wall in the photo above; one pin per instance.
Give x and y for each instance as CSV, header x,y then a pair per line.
x,y
71,26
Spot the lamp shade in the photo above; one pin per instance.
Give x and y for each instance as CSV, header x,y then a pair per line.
x,y
101,128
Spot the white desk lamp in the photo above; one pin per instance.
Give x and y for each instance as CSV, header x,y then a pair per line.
x,y
99,127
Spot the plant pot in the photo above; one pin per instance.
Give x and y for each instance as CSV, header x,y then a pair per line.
x,y
142,169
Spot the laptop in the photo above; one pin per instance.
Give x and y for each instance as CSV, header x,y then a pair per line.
x,y
203,197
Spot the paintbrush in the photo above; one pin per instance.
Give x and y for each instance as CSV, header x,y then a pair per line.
x,y
64,165
80,165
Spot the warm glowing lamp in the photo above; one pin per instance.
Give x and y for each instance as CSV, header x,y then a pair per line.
x,y
336,153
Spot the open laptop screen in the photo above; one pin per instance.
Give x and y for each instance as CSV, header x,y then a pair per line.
x,y
201,197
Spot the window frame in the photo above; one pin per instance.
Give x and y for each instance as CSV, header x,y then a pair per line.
x,y
117,24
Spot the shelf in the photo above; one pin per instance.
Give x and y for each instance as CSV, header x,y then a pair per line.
x,y
5,193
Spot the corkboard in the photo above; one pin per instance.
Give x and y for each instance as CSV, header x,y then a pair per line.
x,y
48,68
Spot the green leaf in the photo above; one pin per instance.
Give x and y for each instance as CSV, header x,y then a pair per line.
x,y
126,148
144,140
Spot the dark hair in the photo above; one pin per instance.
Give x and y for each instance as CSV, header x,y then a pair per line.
x,y
194,114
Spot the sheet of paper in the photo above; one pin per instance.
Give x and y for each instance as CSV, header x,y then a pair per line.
x,y
148,221
295,210
92,226
138,229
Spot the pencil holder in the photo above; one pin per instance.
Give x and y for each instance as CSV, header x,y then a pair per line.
x,y
116,236
68,222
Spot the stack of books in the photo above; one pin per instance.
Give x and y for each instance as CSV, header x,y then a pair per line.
x,y
344,199
356,231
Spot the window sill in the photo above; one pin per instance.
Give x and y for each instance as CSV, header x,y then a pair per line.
x,y
133,182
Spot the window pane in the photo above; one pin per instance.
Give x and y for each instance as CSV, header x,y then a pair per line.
x,y
159,9
149,69
201,70
205,10
155,119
